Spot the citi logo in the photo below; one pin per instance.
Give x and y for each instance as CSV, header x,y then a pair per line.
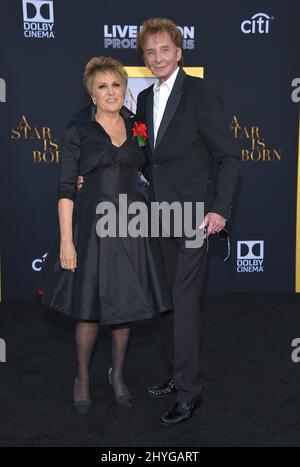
x,y
2,90
37,263
260,22
250,255
2,351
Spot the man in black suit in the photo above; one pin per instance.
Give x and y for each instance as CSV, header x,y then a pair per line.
x,y
190,158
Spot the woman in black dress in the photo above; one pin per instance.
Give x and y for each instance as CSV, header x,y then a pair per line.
x,y
110,280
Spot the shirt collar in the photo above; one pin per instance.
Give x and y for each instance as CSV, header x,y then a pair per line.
x,y
89,115
169,83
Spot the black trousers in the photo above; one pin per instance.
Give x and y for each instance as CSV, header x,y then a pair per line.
x,y
181,327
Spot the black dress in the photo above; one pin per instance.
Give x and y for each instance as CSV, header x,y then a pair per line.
x,y
117,279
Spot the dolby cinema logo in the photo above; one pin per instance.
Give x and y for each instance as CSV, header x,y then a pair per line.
x,y
250,256
38,17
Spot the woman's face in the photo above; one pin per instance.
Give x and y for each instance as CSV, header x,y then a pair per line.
x,y
109,92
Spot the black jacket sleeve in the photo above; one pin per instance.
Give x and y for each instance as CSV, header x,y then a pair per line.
x,y
69,166
212,124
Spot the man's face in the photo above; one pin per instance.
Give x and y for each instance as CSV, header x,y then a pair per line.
x,y
161,55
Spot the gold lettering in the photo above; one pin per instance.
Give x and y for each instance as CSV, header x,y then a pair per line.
x,y
258,150
58,155
246,133
266,155
253,156
23,125
49,144
49,157
245,155
277,154
235,126
37,156
254,132
53,144
261,142
18,134
35,132
26,124
46,156
46,132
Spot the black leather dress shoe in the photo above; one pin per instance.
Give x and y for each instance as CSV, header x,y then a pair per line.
x,y
179,413
161,389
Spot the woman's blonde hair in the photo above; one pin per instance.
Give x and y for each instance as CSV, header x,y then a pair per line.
x,y
103,65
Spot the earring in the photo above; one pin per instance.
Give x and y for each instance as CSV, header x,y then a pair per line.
x,y
94,101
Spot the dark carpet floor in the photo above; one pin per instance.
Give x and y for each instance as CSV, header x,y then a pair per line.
x,y
252,392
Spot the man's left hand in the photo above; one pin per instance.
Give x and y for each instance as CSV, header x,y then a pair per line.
x,y
79,182
213,222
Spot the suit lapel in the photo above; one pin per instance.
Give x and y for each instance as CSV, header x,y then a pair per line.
x,y
149,118
171,107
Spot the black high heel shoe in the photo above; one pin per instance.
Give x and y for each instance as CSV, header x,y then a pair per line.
x,y
125,399
82,406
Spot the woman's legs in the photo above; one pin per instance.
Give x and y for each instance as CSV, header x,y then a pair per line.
x,y
120,337
85,337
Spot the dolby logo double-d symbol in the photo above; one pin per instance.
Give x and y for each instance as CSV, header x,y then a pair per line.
x,y
250,249
38,11
250,255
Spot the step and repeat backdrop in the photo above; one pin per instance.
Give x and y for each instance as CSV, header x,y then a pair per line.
x,y
248,49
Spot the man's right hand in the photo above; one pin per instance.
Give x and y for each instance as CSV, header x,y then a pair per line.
x,y
68,255
79,182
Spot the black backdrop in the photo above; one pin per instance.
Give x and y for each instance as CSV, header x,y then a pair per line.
x,y
252,70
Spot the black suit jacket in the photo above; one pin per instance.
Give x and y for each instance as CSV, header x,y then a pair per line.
x,y
194,158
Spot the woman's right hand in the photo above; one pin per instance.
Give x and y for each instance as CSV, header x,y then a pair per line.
x,y
68,255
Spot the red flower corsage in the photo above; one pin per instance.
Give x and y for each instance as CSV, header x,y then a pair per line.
x,y
140,133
